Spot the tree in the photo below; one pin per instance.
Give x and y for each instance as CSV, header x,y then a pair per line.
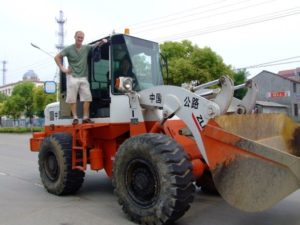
x,y
3,97
24,91
188,62
240,77
40,100
12,107
1,112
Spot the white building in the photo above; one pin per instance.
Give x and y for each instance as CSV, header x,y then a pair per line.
x,y
30,75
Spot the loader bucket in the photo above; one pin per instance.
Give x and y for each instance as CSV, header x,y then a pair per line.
x,y
254,158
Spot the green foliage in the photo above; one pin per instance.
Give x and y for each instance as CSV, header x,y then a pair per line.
x,y
191,63
26,99
24,91
12,107
3,97
1,112
1,109
40,100
175,50
240,77
20,129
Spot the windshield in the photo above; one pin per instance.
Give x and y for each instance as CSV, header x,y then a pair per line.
x,y
136,58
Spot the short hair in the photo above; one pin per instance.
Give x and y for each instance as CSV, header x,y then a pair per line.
x,y
79,31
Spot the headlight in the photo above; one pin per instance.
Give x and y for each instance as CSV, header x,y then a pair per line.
x,y
128,84
124,84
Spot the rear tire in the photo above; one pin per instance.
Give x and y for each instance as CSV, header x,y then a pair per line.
x,y
153,179
55,165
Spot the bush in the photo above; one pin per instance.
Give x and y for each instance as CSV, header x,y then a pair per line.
x,y
20,129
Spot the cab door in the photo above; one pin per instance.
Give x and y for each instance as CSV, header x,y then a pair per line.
x,y
99,82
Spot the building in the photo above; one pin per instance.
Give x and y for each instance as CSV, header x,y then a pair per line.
x,y
269,107
30,75
292,73
282,89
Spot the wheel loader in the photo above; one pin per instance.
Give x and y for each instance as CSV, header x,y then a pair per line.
x,y
158,142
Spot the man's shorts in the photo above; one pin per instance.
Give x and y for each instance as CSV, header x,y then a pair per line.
x,y
78,85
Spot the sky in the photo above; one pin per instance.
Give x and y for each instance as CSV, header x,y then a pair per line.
x,y
245,33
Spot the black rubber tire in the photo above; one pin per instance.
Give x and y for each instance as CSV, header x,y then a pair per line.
x,y
153,179
55,165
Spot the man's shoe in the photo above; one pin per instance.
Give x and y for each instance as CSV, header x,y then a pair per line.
x,y
87,121
75,122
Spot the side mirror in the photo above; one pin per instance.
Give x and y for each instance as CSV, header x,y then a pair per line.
x,y
50,87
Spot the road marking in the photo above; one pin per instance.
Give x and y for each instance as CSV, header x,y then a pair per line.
x,y
37,184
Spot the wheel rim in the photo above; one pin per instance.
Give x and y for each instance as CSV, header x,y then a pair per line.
x,y
142,182
51,166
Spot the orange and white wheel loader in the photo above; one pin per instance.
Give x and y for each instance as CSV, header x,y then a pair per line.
x,y
157,142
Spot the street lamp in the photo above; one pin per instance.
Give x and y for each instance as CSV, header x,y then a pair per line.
x,y
52,56
35,46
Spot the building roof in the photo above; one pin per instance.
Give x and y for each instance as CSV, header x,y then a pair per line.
x,y
30,75
293,79
293,74
271,104
287,73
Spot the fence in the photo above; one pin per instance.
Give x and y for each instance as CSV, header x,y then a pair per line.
x,y
36,122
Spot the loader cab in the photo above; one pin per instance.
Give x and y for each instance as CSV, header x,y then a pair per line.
x,y
105,66
136,58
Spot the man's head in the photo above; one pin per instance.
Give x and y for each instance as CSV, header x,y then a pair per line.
x,y
79,36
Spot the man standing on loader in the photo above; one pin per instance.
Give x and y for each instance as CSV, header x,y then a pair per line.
x,y
77,75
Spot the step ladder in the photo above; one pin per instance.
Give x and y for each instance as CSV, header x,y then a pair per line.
x,y
79,148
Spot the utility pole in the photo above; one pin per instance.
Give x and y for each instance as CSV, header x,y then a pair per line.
x,y
61,33
4,71
60,45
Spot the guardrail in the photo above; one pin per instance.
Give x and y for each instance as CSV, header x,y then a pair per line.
x,y
36,122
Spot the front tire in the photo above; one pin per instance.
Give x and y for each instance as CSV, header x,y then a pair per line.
x,y
153,179
55,165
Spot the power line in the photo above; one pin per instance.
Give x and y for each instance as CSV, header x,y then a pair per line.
x,y
144,23
178,16
236,24
172,22
273,63
37,66
182,14
276,64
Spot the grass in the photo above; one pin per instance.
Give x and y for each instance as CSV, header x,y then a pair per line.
x,y
20,129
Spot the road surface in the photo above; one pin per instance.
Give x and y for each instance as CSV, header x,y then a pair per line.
x,y
24,201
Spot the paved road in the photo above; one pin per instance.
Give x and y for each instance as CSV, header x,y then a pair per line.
x,y
23,200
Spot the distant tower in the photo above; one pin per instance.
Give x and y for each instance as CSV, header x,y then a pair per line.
x,y
61,33
4,71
